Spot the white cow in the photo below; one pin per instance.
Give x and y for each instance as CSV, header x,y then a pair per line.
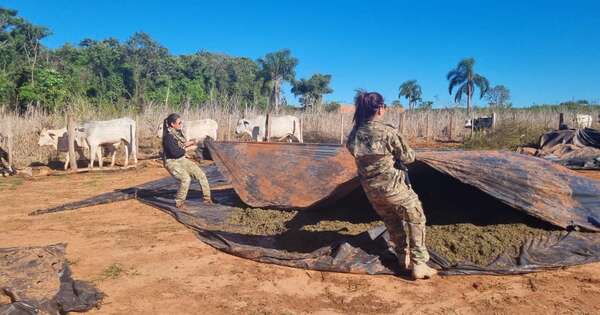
x,y
5,163
196,129
97,133
280,127
57,138
583,121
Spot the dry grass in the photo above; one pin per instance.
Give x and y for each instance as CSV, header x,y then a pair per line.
x,y
440,125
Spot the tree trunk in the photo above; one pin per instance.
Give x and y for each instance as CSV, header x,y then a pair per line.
x,y
276,92
469,93
71,139
167,96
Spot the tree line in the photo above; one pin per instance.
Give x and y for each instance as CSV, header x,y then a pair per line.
x,y
465,80
139,71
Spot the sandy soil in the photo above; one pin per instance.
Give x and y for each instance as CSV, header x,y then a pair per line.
x,y
147,263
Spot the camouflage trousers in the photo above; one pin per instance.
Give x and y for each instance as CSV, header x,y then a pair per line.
x,y
184,170
403,215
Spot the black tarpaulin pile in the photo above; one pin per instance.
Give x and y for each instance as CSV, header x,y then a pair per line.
x,y
573,148
36,280
532,186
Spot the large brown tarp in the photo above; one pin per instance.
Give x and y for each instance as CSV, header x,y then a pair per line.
x,y
541,188
281,175
300,176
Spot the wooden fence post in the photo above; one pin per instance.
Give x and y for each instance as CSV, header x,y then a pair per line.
x,y
402,121
427,131
267,131
494,117
10,148
228,136
341,128
451,125
472,125
561,121
301,122
71,139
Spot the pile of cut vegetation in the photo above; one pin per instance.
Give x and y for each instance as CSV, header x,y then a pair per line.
x,y
458,243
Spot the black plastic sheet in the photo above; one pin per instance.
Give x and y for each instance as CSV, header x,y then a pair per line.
x,y
38,280
573,148
513,179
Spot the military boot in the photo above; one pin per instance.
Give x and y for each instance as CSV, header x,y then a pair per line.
x,y
179,203
422,271
403,256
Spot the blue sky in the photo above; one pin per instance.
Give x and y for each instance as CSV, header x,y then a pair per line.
x,y
543,51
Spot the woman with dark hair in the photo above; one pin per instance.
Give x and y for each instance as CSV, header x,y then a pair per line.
x,y
381,153
174,148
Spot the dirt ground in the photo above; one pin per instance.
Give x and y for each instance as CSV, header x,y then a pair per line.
x,y
147,263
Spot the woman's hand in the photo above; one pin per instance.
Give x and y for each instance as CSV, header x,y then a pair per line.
x,y
191,148
191,143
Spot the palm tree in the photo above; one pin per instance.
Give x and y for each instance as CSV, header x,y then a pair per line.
x,y
465,76
277,67
411,91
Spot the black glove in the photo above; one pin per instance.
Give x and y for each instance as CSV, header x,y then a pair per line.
x,y
400,166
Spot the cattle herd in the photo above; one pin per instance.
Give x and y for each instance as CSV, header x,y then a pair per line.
x,y
105,137
99,137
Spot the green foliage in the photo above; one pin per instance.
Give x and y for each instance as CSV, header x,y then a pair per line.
x,y
396,103
275,68
568,106
332,107
311,91
411,90
508,135
49,89
498,97
426,105
109,73
465,78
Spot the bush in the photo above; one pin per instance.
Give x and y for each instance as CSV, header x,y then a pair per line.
x,y
508,135
332,107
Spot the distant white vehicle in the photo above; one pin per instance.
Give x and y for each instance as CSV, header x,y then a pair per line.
x,y
280,127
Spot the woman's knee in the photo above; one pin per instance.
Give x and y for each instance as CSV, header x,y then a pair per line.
x,y
415,214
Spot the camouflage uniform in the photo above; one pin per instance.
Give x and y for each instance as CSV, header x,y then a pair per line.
x,y
376,148
184,170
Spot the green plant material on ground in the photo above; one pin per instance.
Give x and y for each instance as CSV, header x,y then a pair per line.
x,y
466,242
112,272
256,221
342,227
10,183
507,135
461,242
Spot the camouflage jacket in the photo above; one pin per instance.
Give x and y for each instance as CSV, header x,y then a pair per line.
x,y
376,147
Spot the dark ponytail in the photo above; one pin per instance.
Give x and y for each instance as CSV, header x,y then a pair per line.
x,y
367,104
171,119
